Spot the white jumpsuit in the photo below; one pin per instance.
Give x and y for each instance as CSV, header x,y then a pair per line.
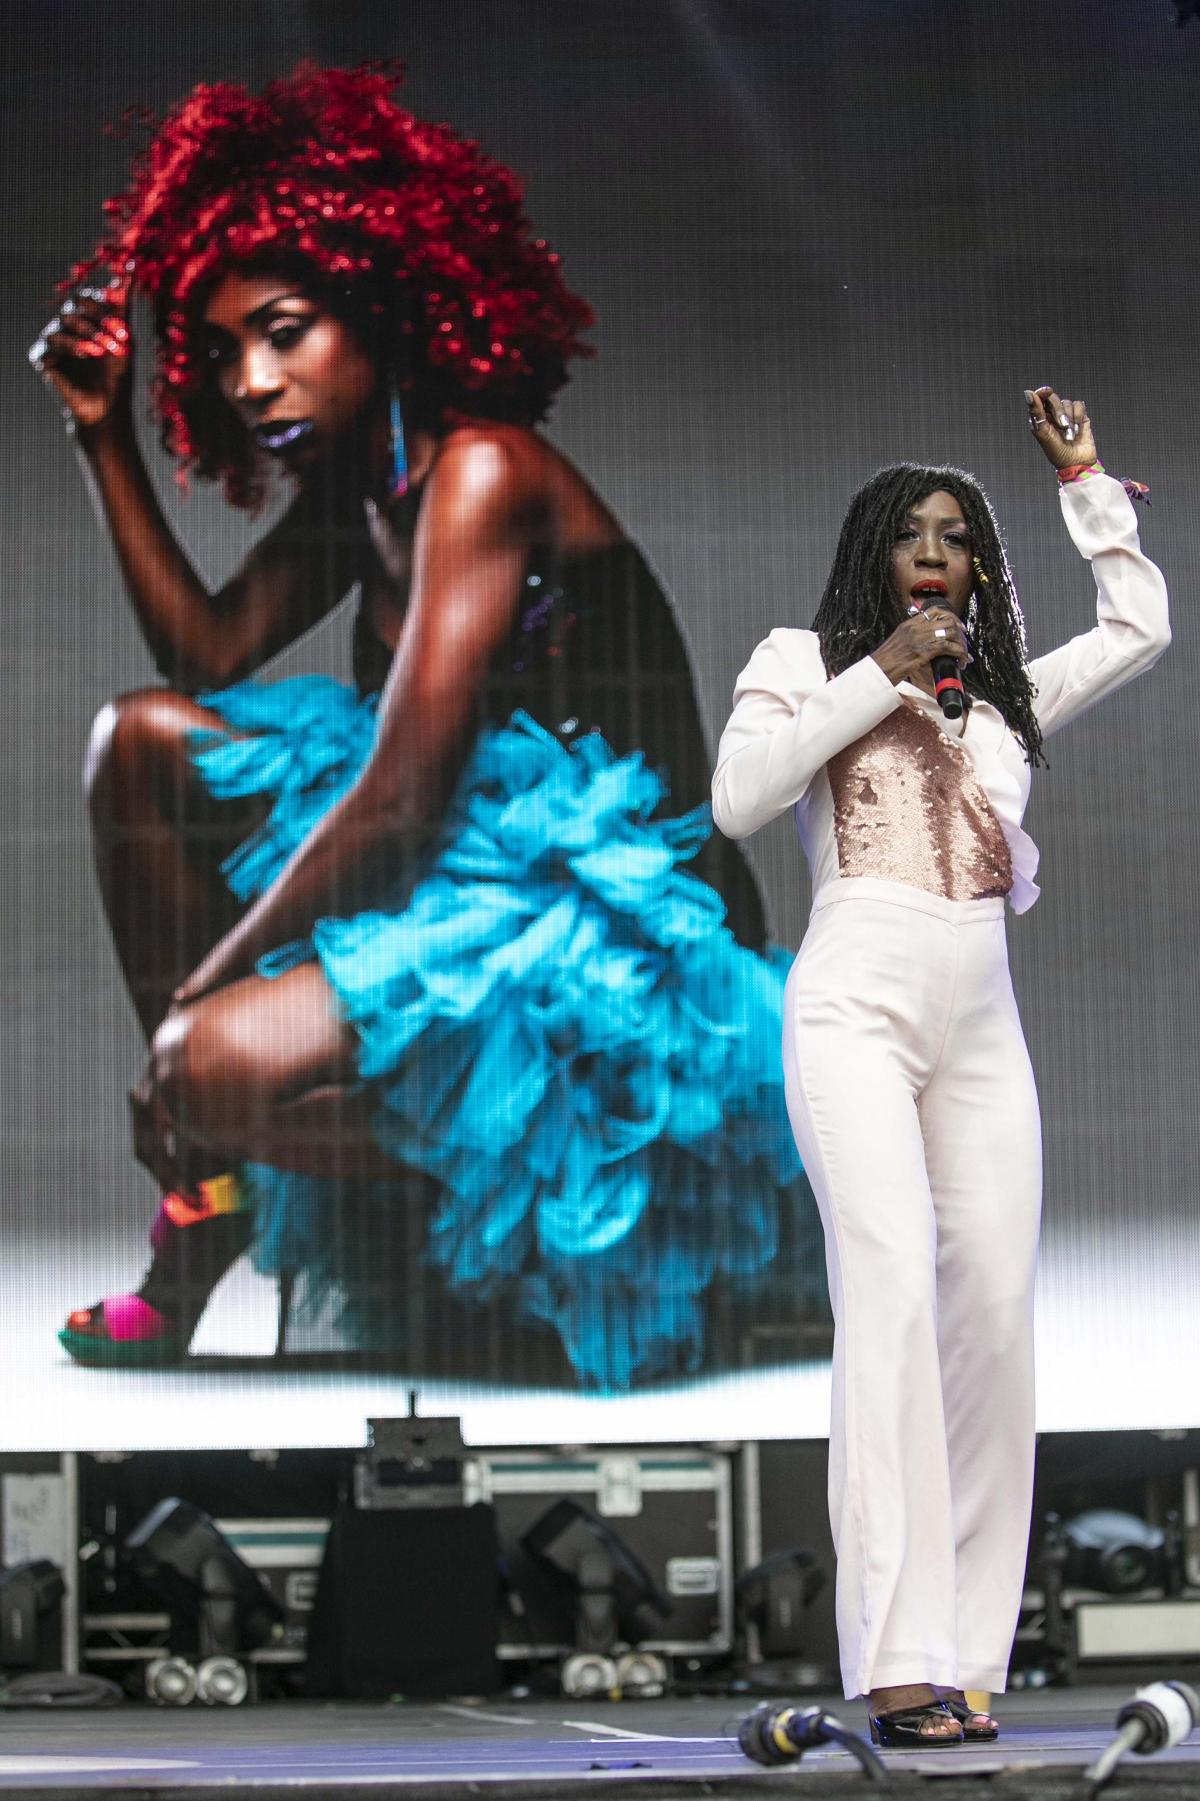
x,y
913,1101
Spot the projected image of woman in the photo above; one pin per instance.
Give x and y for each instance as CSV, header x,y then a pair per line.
x,y
446,959
909,1085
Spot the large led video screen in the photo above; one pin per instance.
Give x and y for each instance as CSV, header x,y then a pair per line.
x,y
383,1012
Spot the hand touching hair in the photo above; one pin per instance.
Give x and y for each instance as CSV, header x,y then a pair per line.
x,y
412,232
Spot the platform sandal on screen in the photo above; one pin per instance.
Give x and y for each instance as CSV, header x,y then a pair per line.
x,y
194,1240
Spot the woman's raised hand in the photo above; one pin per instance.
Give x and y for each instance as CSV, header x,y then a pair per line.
x,y
1062,428
919,640
85,353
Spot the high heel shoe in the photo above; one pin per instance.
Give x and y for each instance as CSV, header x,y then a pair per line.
x,y
964,1714
900,1728
194,1240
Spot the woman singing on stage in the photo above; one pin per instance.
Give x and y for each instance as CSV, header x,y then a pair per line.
x,y
909,1085
448,960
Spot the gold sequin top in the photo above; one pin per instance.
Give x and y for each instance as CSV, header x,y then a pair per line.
x,y
907,806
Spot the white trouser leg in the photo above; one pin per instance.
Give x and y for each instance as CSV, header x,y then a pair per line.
x,y
979,1115
877,994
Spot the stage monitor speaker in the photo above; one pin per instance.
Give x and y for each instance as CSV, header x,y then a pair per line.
x,y
407,1603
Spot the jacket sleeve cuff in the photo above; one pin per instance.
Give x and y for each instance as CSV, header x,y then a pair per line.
x,y
1098,514
865,688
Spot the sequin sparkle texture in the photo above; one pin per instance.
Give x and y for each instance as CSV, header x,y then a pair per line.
x,y
907,807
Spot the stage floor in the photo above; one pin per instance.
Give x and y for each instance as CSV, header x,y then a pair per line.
x,y
536,1748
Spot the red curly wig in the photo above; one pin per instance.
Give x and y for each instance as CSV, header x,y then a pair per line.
x,y
412,232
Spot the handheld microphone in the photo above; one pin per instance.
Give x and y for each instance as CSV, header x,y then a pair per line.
x,y
947,686
947,680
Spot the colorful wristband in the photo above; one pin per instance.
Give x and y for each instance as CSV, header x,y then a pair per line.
x,y
1080,471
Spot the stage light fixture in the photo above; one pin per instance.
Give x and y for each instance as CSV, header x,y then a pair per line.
x,y
416,1461
642,1676
615,1595
1114,1552
30,1616
178,1552
170,1682
587,1674
774,1596
222,1682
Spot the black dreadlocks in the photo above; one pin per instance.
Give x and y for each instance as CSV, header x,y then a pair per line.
x,y
858,608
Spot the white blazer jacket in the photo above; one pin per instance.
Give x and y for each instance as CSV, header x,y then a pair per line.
x,y
789,717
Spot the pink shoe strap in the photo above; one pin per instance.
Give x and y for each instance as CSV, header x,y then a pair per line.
x,y
130,1320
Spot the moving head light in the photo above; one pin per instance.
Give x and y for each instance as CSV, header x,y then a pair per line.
x,y
30,1616
212,1594
1114,1552
615,1594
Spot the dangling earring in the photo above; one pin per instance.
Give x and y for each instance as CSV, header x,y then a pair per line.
x,y
398,481
981,580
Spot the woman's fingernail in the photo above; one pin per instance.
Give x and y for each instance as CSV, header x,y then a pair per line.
x,y
1062,419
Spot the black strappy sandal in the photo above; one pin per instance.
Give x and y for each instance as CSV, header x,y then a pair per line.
x,y
900,1730
964,1715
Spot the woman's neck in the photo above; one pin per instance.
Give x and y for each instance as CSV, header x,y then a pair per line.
x,y
365,469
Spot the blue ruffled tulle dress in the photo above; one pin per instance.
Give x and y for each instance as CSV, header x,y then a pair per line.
x,y
570,1027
